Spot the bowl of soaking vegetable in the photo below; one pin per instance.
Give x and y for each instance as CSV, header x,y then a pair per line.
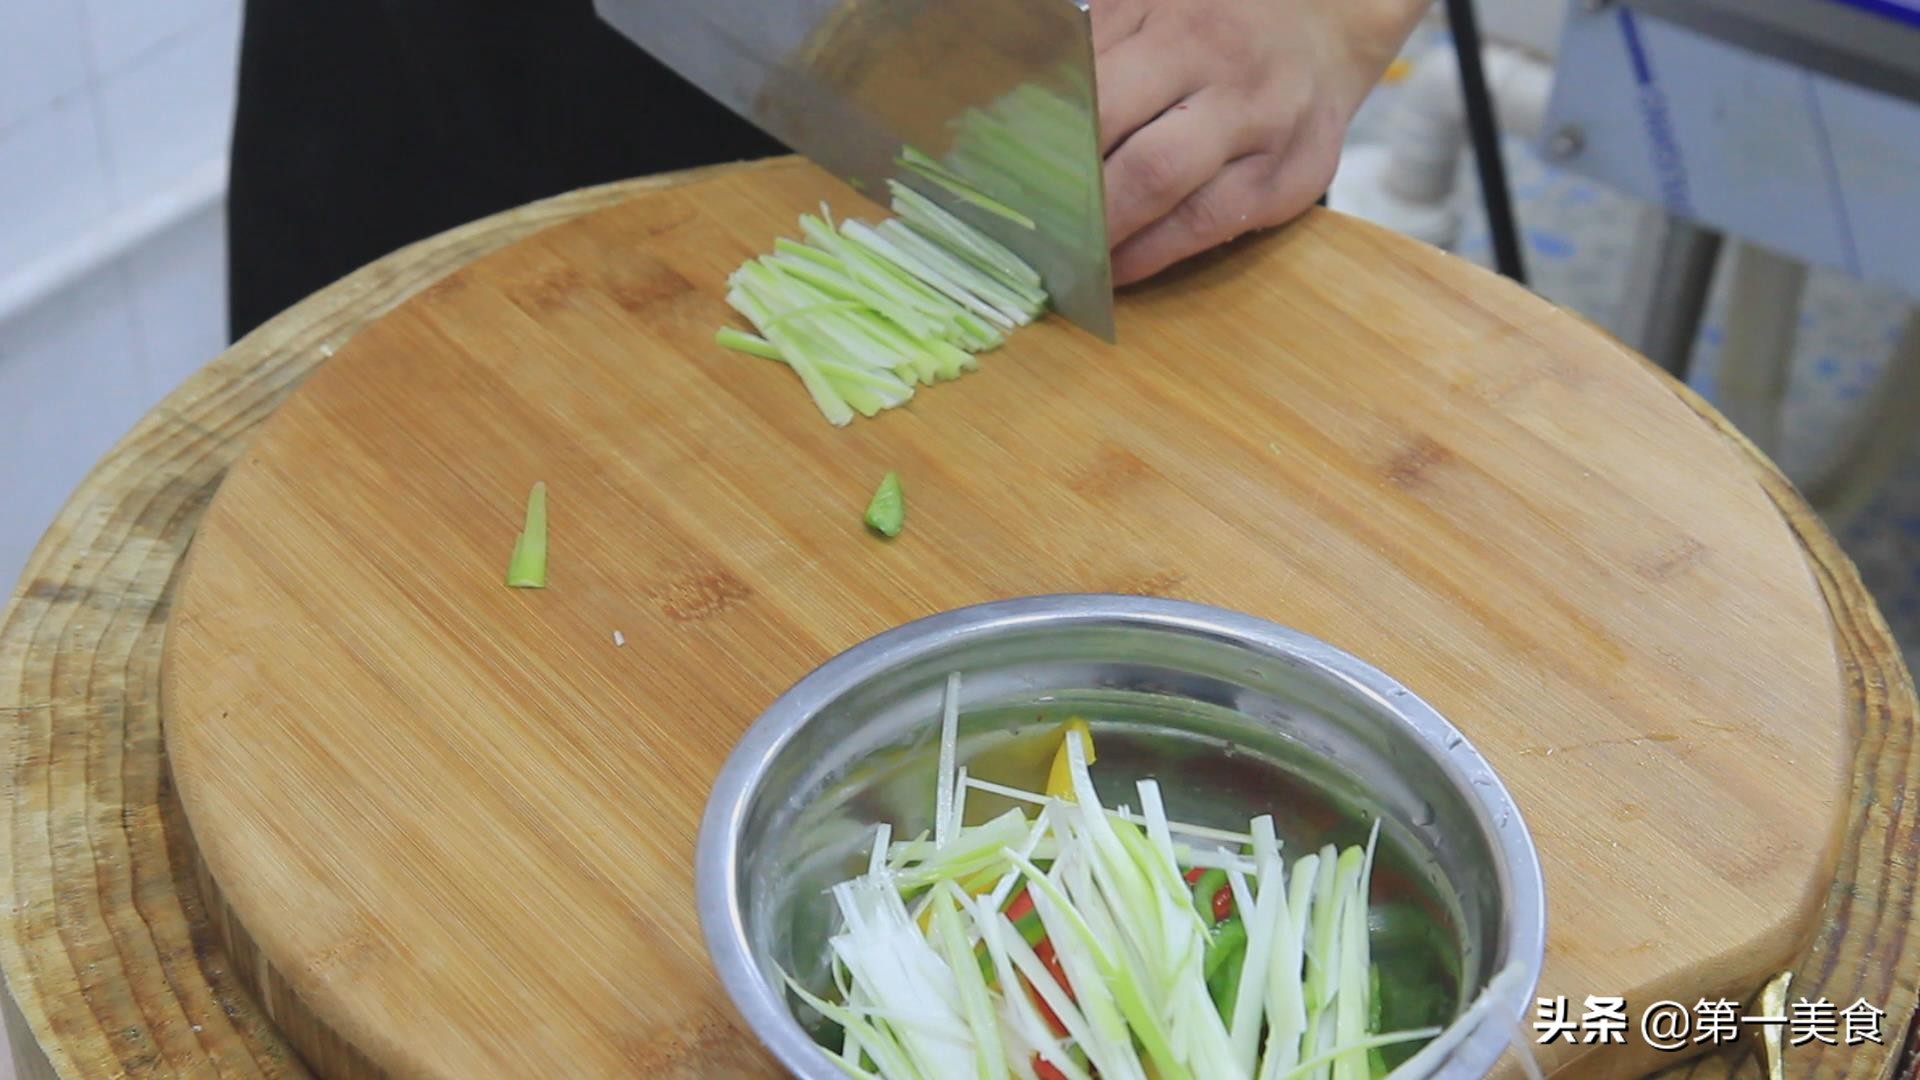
x,y
1113,837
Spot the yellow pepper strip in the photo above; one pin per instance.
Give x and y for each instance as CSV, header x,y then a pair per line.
x,y
1059,785
982,884
1060,779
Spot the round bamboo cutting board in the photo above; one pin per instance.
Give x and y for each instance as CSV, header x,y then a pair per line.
x,y
455,821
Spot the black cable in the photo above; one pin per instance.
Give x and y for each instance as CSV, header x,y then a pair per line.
x,y
1485,134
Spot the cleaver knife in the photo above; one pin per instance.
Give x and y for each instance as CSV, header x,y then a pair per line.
x,y
998,94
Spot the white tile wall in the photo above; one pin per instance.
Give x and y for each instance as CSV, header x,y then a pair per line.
x,y
104,104
170,107
43,55
72,381
53,178
177,285
119,31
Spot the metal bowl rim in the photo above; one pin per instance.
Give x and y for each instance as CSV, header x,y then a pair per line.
x,y
716,858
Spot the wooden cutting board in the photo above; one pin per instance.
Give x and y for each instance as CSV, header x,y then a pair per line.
x,y
458,820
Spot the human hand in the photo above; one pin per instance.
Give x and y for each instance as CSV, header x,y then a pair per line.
x,y
1218,117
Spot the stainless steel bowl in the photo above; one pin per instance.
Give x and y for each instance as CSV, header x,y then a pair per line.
x,y
1235,716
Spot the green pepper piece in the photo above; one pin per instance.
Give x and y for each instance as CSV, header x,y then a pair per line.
x,y
1224,985
1026,919
1203,891
829,1033
887,511
1032,931
1229,940
986,965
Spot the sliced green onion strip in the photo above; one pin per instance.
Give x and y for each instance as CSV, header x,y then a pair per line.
x,y
942,226
753,345
863,313
1390,1038
527,568
949,739
983,201
1107,961
818,308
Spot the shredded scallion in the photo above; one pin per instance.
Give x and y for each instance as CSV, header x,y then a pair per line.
x,y
864,314
1068,938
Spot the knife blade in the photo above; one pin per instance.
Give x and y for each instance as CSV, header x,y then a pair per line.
x,y
999,94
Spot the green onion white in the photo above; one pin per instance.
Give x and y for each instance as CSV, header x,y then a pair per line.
x,y
865,314
927,948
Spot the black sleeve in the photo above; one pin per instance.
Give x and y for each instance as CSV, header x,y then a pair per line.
x,y
364,125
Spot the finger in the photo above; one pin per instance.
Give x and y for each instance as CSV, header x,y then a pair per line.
x,y
1162,164
1115,21
1251,193
1138,80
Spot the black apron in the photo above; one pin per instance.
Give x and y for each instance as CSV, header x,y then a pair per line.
x,y
365,125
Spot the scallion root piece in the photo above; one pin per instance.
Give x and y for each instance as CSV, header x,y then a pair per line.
x,y
887,511
932,170
527,569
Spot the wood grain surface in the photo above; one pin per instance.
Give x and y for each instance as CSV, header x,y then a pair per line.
x,y
444,808
114,957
